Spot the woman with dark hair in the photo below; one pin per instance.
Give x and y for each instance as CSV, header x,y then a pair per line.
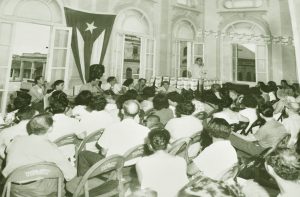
x,y
58,85
82,100
157,171
161,108
63,124
218,157
147,95
248,114
273,91
127,85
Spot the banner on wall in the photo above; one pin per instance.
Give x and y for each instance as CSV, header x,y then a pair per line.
x,y
90,37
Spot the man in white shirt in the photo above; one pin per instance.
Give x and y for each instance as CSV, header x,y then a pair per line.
x,y
19,129
216,159
185,125
112,85
166,88
161,171
35,148
197,70
292,123
227,114
117,138
38,91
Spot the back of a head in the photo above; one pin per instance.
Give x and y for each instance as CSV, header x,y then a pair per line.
x,y
39,124
96,72
286,163
185,108
83,98
98,103
152,120
148,92
188,95
26,113
266,110
128,82
110,79
226,102
131,108
160,101
132,94
219,128
249,101
159,138
175,97
58,102
22,100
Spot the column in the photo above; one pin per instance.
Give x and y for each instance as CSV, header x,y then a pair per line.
x,y
32,70
21,70
294,7
44,69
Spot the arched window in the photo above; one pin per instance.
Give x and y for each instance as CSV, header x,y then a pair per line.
x,y
48,56
244,50
134,45
185,49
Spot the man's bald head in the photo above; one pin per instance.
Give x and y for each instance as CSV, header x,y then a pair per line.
x,y
131,108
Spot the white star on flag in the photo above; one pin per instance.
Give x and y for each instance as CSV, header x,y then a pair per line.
x,y
90,27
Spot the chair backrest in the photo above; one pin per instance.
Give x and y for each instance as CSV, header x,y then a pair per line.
x,y
92,137
231,173
111,163
283,143
67,139
34,172
180,147
135,152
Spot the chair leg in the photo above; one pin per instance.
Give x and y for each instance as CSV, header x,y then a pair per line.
x,y
59,187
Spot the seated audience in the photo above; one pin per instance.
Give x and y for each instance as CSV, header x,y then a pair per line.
x,y
161,108
216,159
249,113
8,134
147,95
38,91
266,136
139,87
284,166
34,148
22,100
117,138
227,114
292,122
58,85
97,119
153,121
185,125
214,95
127,85
112,85
95,73
82,100
273,91
174,98
62,124
166,88
161,171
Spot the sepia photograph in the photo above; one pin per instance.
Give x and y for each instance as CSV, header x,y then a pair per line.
x,y
149,98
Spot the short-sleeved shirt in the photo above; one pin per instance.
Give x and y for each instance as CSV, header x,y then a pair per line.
x,y
230,116
120,137
270,134
162,172
216,159
25,150
164,114
292,125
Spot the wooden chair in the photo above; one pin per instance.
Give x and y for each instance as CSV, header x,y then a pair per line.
x,y
180,148
34,172
110,164
92,137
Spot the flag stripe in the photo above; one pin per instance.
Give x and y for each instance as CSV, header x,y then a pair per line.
x,y
97,49
80,42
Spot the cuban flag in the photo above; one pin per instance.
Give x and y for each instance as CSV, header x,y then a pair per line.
x,y
90,37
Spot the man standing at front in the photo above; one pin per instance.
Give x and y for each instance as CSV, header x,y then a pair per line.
x,y
197,69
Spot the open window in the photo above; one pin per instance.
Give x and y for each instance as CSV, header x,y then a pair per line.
x,y
6,38
60,48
